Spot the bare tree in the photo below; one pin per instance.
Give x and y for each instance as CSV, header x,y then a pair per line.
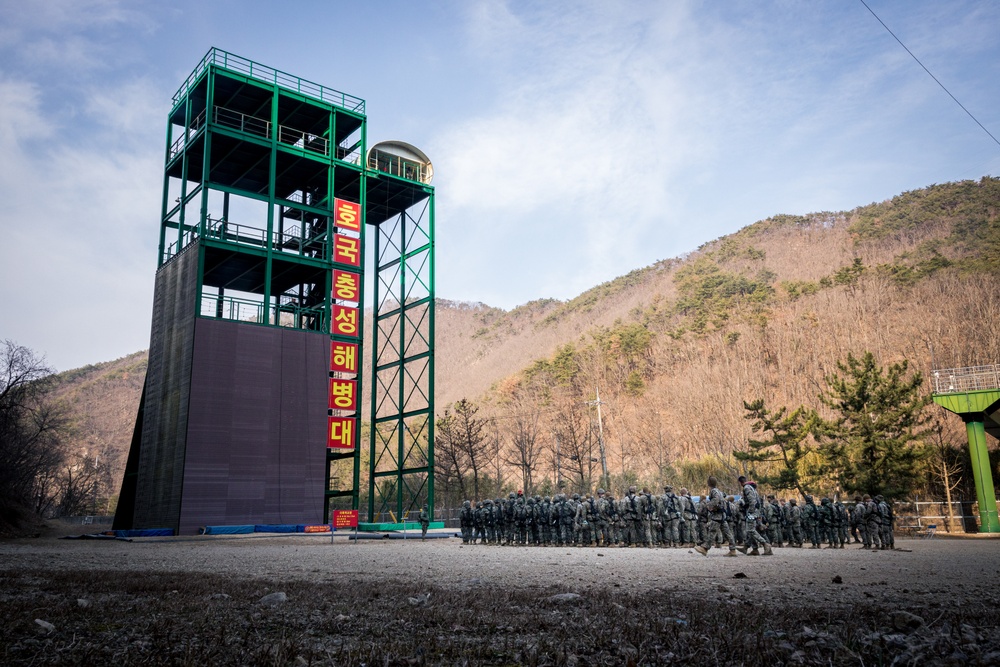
x,y
946,464
525,452
31,428
461,435
574,433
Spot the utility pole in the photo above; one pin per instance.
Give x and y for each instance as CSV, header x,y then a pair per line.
x,y
605,479
558,467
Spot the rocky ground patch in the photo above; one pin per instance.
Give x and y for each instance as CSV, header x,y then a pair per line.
x,y
302,600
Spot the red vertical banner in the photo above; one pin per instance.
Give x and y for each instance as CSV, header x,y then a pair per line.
x,y
343,395
347,215
341,432
346,250
345,518
345,321
346,286
343,357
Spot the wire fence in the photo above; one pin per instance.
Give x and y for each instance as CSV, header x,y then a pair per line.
x,y
970,378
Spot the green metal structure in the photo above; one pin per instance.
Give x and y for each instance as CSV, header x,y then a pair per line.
x,y
974,394
400,203
270,189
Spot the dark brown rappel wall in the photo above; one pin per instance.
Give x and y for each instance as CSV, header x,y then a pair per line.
x,y
256,435
232,426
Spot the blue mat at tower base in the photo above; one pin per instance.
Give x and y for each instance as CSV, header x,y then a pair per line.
x,y
276,528
226,530
145,532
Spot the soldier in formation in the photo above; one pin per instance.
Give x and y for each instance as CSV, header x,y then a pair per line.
x,y
749,523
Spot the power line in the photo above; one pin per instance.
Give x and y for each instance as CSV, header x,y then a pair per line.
x,y
929,73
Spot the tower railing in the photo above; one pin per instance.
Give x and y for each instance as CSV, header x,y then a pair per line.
x,y
281,79
398,166
291,241
261,127
970,378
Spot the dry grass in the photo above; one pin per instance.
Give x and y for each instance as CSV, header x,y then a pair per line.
x,y
160,618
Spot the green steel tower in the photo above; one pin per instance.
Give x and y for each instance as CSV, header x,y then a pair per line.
x,y
252,395
400,203
974,394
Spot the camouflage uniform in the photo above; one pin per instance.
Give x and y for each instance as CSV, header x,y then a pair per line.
x,y
794,522
843,521
885,523
872,524
631,518
566,512
554,519
824,514
530,521
490,521
735,519
534,514
425,521
479,522
716,507
604,518
578,520
810,521
593,514
510,523
647,514
545,521
752,507
689,519
614,521
673,511
773,517
858,525
703,519
519,519
467,520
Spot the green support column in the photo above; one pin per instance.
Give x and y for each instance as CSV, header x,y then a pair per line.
x,y
975,407
981,471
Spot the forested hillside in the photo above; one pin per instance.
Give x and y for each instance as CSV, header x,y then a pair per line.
x,y
677,347
765,313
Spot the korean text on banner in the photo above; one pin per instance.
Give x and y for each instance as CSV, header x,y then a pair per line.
x,y
345,518
344,395
345,321
346,250
347,215
343,357
341,432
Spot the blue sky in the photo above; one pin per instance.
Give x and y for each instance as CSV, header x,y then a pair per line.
x,y
572,141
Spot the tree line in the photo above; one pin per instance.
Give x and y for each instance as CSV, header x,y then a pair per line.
x,y
869,431
41,471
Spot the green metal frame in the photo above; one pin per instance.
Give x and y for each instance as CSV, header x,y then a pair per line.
x,y
980,410
201,119
401,464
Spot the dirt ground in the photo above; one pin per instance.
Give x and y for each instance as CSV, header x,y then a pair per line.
x,y
190,600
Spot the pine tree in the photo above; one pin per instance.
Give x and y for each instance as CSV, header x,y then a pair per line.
x,y
874,443
786,449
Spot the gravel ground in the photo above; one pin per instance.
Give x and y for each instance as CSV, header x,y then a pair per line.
x,y
197,599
